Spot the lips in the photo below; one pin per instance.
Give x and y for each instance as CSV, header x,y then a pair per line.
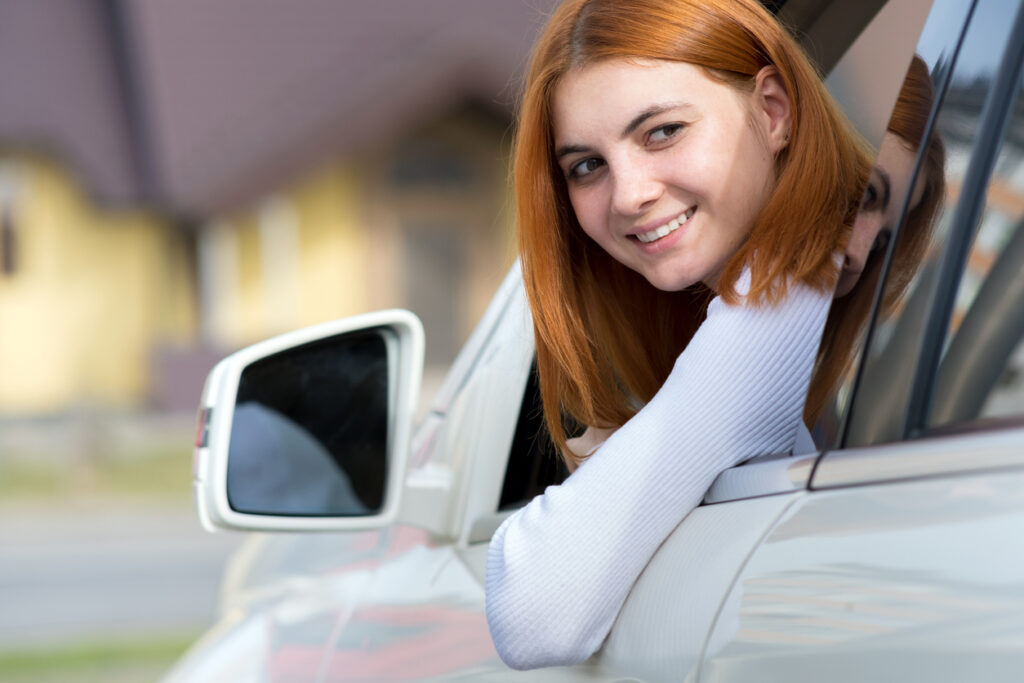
x,y
665,229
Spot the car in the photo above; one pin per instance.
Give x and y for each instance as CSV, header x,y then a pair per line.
x,y
893,551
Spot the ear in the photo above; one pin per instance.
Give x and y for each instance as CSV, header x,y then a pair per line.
x,y
773,108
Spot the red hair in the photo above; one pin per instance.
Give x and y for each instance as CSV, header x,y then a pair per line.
x,y
594,319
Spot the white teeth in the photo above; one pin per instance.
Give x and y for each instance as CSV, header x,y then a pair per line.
x,y
664,230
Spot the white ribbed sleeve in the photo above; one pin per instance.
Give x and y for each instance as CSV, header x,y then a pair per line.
x,y
559,569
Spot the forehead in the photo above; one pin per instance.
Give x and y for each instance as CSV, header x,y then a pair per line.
x,y
609,93
897,157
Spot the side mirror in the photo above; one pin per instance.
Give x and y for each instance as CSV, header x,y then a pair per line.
x,y
309,431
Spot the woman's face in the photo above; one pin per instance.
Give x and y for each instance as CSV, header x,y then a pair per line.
x,y
872,229
667,170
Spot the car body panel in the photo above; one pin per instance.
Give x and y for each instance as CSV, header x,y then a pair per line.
x,y
764,476
908,580
403,608
287,592
665,621
927,457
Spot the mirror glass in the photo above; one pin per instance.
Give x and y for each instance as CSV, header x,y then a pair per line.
x,y
309,432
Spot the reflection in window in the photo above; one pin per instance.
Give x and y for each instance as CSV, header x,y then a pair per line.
x,y
980,374
881,407
830,397
897,204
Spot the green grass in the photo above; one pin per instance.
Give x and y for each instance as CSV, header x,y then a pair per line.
x,y
29,480
161,474
137,660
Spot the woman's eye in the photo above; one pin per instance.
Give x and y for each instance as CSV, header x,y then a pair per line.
x,y
662,133
870,197
881,240
584,168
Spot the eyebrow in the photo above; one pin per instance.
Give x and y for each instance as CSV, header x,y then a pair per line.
x,y
635,123
566,150
651,111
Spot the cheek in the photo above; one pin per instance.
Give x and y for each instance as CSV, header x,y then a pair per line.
x,y
586,206
743,178
865,228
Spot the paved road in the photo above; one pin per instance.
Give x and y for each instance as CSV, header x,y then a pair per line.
x,y
97,573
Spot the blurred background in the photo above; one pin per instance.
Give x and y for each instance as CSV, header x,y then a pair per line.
x,y
181,179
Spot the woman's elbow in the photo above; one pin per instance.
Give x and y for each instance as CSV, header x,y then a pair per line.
x,y
527,638
534,652
537,616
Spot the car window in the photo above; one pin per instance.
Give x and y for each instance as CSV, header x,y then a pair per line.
x,y
533,464
894,360
828,400
981,375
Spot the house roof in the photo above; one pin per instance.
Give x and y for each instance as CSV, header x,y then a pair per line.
x,y
197,107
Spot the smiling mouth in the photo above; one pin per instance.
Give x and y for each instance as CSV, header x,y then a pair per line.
x,y
667,228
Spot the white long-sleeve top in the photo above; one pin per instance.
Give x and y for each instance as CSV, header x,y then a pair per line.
x,y
560,568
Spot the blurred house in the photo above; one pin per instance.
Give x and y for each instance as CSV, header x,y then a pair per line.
x,y
178,179
85,293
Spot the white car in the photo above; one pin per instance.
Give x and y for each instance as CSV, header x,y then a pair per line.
x,y
894,552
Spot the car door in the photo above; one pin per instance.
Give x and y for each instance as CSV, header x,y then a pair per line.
x,y
903,561
666,621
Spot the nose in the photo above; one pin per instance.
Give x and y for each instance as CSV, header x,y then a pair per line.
x,y
635,188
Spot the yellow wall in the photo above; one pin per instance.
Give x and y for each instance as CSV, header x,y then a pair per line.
x,y
249,313
334,243
94,291
328,274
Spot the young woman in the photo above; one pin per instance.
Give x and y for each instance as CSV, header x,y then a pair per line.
x,y
684,190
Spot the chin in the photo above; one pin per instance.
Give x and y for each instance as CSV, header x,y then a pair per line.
x,y
678,278
845,284
670,283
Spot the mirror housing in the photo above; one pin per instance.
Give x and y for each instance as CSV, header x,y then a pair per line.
x,y
276,451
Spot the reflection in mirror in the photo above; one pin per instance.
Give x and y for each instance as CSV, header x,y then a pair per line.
x,y
309,431
892,192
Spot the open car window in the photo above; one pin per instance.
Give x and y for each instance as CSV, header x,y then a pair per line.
x,y
533,464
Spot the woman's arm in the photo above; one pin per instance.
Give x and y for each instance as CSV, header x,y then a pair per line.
x,y
559,569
